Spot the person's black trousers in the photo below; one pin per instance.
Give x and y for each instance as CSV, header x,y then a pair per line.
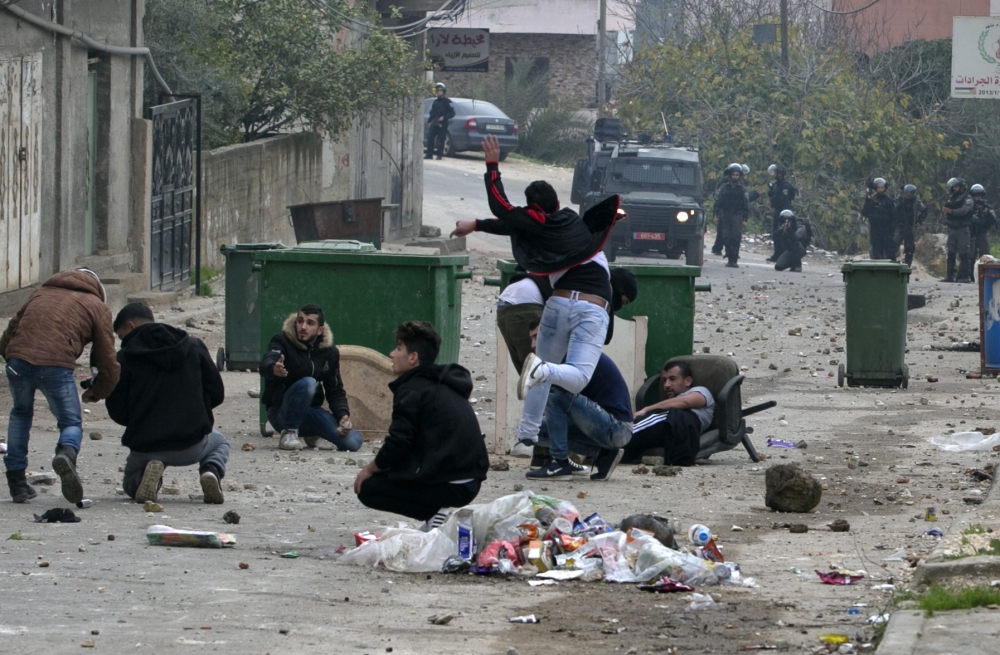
x,y
413,499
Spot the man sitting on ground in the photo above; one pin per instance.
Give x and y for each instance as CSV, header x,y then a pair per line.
x,y
169,386
674,424
302,365
434,456
597,423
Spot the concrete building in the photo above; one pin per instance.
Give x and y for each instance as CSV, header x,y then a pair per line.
x,y
893,22
74,149
561,35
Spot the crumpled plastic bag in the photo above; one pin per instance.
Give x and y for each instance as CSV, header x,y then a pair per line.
x,y
965,441
611,548
405,550
496,520
656,560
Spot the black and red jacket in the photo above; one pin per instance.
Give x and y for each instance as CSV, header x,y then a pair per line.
x,y
544,243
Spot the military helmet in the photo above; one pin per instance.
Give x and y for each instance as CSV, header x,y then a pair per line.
x,y
734,168
878,180
440,87
909,188
786,214
772,168
779,170
746,169
977,190
956,181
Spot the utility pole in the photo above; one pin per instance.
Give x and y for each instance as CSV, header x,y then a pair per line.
x,y
602,56
784,34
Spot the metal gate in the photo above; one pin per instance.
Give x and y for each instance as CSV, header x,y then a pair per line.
x,y
174,131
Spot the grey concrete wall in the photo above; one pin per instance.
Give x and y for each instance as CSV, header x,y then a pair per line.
x,y
65,132
247,189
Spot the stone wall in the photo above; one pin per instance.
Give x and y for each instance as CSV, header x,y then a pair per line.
x,y
572,64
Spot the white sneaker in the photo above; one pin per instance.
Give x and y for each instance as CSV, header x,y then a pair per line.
x,y
438,519
290,440
531,375
521,450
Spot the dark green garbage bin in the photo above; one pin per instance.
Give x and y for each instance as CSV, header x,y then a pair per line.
x,y
242,349
875,303
666,297
364,295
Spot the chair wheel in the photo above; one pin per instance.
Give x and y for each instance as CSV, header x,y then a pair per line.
x,y
220,359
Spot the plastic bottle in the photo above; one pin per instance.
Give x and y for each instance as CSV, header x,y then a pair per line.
x,y
699,535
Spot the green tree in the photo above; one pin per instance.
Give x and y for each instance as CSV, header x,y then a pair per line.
x,y
263,67
825,119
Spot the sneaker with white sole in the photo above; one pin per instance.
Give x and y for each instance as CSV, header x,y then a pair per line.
x,y
151,479
439,519
531,375
311,442
606,462
553,470
290,440
522,450
578,469
211,488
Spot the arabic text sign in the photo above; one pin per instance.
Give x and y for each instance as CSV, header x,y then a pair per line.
x,y
975,57
459,49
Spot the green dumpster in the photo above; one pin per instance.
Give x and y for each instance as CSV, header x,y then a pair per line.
x,y
242,349
875,302
666,297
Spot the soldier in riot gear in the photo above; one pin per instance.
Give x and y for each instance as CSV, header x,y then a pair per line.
x,y
957,211
909,212
879,210
793,235
780,194
717,246
731,210
983,220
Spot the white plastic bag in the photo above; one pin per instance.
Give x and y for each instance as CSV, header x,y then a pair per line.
x,y
611,546
700,601
958,442
655,560
496,520
405,550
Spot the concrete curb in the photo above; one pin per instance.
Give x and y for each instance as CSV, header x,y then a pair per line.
x,y
902,633
983,566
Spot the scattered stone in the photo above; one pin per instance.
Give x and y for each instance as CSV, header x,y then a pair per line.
x,y
801,445
249,447
798,528
518,487
640,470
170,491
666,471
773,366
244,565
902,480
232,485
150,506
231,517
795,332
333,460
652,461
42,478
350,461
250,486
253,393
790,489
840,525
499,465
96,436
440,619
111,537
581,494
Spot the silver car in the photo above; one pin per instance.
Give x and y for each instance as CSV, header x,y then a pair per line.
x,y
473,120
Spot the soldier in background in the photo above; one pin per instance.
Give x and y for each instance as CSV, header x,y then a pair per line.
x,y
909,212
983,220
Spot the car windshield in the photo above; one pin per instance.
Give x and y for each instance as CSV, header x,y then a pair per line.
x,y
646,174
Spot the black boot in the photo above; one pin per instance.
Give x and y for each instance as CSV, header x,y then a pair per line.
x,y
20,490
909,259
951,268
64,464
965,270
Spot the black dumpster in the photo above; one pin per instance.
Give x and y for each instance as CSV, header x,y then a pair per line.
x,y
343,219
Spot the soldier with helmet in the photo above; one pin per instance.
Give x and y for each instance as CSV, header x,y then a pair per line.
x,y
957,211
909,212
442,111
731,210
780,194
793,237
879,210
983,220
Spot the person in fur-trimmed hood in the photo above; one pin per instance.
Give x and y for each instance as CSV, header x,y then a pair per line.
x,y
300,368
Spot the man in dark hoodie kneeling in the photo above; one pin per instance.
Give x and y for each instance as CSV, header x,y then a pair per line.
x,y
169,386
434,456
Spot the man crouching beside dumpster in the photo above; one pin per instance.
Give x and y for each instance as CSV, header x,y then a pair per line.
x,y
300,367
434,457
676,423
168,388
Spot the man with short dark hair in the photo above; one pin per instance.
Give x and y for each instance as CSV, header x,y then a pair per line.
x,y
434,456
41,345
168,389
300,368
676,423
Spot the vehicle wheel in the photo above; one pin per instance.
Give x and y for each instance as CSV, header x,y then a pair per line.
x,y
503,155
840,375
610,251
220,359
906,377
694,252
446,150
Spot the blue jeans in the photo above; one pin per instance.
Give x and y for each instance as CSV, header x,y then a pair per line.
x,y
297,413
581,425
57,385
571,330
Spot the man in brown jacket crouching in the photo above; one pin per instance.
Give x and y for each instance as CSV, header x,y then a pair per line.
x,y
41,346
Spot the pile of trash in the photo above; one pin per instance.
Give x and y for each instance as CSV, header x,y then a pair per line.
x,y
541,536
